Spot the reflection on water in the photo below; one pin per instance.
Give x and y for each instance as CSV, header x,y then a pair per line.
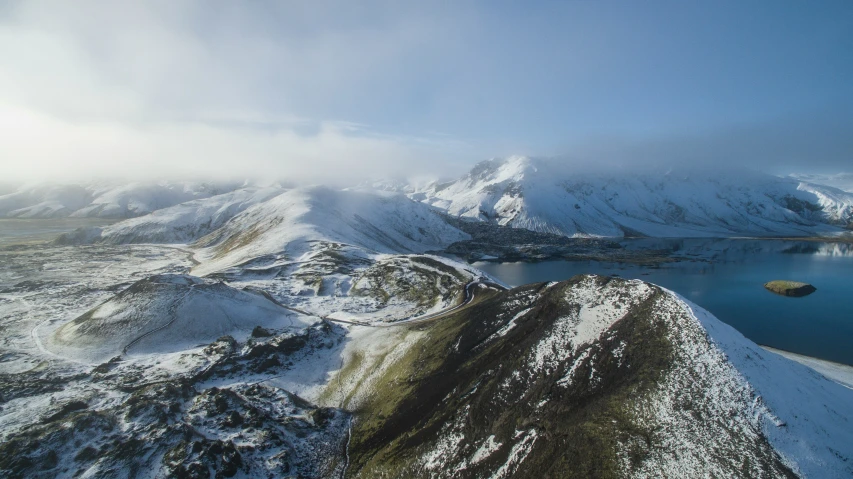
x,y
735,249
727,276
837,249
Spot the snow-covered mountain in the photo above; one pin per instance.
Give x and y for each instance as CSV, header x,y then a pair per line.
x,y
168,313
545,196
376,221
102,200
248,223
842,181
593,377
314,348
182,223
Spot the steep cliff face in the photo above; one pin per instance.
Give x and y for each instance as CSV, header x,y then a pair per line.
x,y
595,377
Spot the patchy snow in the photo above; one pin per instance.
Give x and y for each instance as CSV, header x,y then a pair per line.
x,y
566,380
511,324
486,450
373,351
448,444
517,454
594,317
314,250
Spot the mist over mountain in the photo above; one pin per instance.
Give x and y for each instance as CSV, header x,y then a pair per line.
x,y
547,196
256,240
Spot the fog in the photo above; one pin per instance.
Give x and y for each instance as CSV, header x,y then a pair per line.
x,y
333,91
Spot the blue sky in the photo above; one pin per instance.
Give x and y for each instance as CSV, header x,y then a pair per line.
x,y
305,88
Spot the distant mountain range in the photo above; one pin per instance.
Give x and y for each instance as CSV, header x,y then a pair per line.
x,y
309,333
103,200
545,196
842,181
536,194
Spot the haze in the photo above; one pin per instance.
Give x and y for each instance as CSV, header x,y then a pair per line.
x,y
310,90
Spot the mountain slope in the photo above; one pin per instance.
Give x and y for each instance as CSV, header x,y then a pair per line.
x,y
547,197
595,377
98,200
842,181
168,313
288,223
181,223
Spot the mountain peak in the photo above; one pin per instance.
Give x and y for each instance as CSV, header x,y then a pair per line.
x,y
547,196
502,169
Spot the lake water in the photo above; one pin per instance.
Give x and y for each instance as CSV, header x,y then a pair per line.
x,y
727,276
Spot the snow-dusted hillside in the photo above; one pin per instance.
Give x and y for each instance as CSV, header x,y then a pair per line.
x,y
593,377
99,200
377,221
168,313
181,223
249,223
835,204
420,367
542,195
842,181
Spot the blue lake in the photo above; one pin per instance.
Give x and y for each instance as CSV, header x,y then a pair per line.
x,y
726,277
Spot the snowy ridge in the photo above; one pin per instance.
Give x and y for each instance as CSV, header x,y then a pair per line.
x,y
377,221
658,385
805,416
544,196
101,200
181,223
836,204
842,181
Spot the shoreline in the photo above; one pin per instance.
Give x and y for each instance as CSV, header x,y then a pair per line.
x,y
836,372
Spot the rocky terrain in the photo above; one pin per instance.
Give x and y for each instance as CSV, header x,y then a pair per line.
x,y
790,288
310,332
595,377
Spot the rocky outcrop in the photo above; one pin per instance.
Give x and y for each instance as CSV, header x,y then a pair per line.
x,y
790,288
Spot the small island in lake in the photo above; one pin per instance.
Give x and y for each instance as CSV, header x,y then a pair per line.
x,y
790,288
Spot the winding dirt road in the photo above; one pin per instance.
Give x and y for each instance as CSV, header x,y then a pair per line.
x,y
469,297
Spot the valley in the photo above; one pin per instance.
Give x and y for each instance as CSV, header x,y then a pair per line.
x,y
318,332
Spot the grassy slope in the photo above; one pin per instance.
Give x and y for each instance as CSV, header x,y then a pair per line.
x,y
587,427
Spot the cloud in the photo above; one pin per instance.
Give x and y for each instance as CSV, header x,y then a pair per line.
x,y
347,89
816,141
189,88
40,147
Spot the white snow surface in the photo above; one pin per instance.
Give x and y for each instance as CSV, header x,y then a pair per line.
x,y
809,420
842,181
103,200
840,373
545,196
377,221
181,223
169,313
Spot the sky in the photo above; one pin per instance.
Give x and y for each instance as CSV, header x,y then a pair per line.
x,y
346,90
